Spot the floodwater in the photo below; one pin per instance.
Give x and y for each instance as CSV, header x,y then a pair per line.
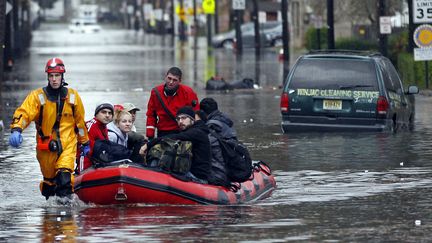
x,y
332,187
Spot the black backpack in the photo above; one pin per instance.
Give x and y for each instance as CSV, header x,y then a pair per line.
x,y
216,83
105,151
238,162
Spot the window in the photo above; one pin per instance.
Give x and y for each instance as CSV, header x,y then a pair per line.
x,y
335,73
394,77
388,82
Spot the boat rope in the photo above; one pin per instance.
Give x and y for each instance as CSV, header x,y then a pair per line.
x,y
262,166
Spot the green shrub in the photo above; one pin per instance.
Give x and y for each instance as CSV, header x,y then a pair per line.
x,y
413,72
397,43
355,44
341,43
312,38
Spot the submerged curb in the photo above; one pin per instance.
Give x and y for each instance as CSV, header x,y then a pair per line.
x,y
426,92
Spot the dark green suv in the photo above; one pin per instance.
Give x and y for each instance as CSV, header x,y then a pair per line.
x,y
345,91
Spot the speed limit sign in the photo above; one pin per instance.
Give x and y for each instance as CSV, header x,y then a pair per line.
x,y
422,11
238,4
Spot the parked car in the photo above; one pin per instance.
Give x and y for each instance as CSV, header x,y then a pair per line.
x,y
83,26
226,39
345,91
273,36
270,35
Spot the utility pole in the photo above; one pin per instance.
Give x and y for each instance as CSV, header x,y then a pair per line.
x,y
330,23
172,19
8,58
16,28
2,34
257,29
285,39
285,32
195,24
163,25
26,25
142,17
411,27
182,27
382,37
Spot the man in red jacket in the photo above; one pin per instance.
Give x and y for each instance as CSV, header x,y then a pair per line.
x,y
97,130
164,102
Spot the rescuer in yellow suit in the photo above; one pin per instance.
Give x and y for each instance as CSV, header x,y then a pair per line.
x,y
58,113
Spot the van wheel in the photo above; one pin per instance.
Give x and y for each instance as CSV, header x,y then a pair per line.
x,y
411,123
393,126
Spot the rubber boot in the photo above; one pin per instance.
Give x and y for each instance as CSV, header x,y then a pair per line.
x,y
47,188
63,181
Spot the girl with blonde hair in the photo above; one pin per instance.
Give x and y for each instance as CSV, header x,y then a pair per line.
x,y
119,128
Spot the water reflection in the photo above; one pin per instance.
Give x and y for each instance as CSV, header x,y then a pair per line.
x,y
59,225
163,222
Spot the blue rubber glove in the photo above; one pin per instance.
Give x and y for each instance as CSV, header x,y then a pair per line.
x,y
85,149
15,139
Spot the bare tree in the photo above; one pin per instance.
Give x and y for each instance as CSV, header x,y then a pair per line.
x,y
358,11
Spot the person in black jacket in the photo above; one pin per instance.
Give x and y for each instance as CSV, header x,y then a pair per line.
x,y
220,124
197,132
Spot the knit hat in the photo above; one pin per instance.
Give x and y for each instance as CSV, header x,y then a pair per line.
x,y
130,107
202,115
186,110
208,105
104,105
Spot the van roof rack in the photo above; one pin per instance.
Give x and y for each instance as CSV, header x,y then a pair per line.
x,y
343,51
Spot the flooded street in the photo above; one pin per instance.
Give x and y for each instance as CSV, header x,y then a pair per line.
x,y
335,187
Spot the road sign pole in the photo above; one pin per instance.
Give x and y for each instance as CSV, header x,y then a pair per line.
x,y
256,27
209,30
239,41
238,6
216,19
382,37
427,74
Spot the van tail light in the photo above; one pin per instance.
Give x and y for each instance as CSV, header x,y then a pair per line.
x,y
382,105
284,102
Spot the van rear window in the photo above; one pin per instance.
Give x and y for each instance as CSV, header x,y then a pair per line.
x,y
325,73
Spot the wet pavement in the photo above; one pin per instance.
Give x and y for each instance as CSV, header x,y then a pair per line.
x,y
343,187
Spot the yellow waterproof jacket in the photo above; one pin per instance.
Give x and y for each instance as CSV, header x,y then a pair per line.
x,y
72,120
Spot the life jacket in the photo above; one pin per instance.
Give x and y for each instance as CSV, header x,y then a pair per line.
x,y
45,141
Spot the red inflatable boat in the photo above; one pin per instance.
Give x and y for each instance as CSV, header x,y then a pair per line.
x,y
128,183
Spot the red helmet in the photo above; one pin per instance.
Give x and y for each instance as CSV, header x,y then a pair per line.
x,y
55,65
